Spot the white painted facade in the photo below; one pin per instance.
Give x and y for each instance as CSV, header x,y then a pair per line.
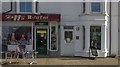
x,y
71,15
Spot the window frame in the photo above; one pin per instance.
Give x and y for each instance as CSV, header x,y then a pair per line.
x,y
65,36
56,28
68,30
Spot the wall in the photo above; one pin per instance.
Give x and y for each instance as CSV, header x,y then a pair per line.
x,y
71,13
119,28
114,28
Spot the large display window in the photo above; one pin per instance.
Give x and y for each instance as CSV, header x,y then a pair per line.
x,y
17,35
95,37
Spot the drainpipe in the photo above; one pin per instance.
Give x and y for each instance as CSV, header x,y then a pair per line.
x,y
110,30
108,22
9,10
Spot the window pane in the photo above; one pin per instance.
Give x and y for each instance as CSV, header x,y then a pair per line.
x,y
95,37
53,38
25,6
68,36
17,35
28,6
22,6
95,7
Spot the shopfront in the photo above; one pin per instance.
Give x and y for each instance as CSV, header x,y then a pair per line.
x,y
32,31
77,39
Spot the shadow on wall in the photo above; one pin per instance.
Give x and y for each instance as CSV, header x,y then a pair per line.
x,y
118,43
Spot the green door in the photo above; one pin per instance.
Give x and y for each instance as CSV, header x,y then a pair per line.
x,y
41,41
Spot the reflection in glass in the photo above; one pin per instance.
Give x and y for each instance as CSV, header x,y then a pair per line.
x,y
16,35
25,6
95,37
68,36
95,7
53,38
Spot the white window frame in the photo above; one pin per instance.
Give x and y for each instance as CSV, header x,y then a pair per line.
x,y
68,30
101,7
33,7
56,36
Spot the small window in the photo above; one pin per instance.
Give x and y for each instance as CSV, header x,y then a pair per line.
x,y
68,27
77,37
25,6
95,7
68,36
84,7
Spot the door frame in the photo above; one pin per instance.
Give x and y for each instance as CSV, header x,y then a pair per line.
x,y
42,27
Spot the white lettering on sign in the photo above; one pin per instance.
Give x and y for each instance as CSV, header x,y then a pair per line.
x,y
15,17
37,17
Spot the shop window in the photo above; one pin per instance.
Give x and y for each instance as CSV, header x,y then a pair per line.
x,y
95,37
16,35
68,36
25,6
83,37
95,7
53,38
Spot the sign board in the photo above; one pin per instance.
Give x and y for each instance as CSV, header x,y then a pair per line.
x,y
94,52
31,17
41,23
41,31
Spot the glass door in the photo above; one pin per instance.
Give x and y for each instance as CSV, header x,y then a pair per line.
x,y
41,41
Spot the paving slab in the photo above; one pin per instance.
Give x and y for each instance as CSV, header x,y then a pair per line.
x,y
68,61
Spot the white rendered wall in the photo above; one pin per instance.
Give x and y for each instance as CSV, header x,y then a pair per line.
x,y
114,28
71,14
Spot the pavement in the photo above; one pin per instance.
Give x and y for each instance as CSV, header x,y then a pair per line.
x,y
68,61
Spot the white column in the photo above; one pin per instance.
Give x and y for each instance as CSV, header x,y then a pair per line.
x,y
88,8
87,38
104,37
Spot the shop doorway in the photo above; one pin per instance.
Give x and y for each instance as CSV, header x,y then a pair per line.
x,y
41,41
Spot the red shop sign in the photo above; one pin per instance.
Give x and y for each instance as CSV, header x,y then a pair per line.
x,y
31,17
